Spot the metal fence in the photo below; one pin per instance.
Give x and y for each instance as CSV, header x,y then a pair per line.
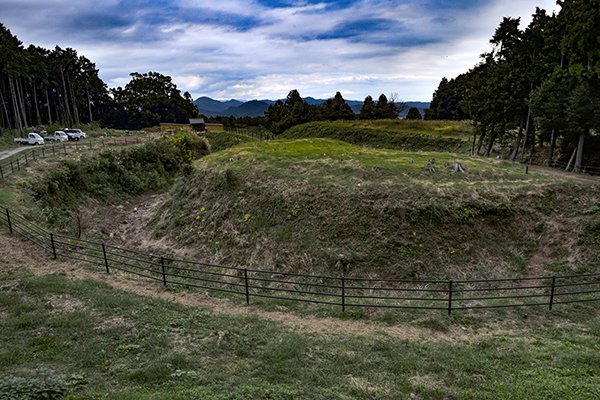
x,y
257,134
23,158
340,291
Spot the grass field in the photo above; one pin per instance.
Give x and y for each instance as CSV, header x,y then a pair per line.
x,y
451,136
98,341
309,205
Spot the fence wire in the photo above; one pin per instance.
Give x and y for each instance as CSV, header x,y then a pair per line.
x,y
340,291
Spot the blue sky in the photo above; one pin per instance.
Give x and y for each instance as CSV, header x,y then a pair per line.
x,y
258,49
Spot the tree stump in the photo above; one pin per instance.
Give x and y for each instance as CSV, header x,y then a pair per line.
x,y
458,168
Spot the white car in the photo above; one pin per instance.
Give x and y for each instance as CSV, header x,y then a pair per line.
x,y
75,133
32,138
59,136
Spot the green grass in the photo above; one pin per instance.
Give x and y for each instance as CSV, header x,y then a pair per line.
x,y
116,345
394,134
329,206
224,140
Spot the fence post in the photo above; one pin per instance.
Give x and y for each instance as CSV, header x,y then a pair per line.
x,y
105,259
53,247
53,149
343,293
43,153
162,266
18,165
246,284
26,160
1,172
33,154
65,147
90,144
12,169
552,292
9,223
450,297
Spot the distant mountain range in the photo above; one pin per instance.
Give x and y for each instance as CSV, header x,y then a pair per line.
x,y
256,108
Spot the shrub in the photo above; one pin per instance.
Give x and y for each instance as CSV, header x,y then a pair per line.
x,y
46,387
132,171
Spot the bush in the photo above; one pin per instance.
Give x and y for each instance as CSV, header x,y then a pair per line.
x,y
132,171
33,388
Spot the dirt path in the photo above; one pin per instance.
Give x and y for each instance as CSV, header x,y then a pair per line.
x,y
17,255
7,153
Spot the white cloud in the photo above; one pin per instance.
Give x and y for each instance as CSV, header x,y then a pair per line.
x,y
281,53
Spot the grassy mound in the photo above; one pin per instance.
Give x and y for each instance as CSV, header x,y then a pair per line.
x,y
394,134
325,205
224,140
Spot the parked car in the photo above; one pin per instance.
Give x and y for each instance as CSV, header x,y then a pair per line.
x,y
32,138
75,134
59,136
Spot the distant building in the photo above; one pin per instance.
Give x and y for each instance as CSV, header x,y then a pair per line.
x,y
198,124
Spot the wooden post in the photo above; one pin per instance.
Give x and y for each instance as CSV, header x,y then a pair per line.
x,y
246,284
164,275
9,223
53,247
552,292
105,259
343,293
449,297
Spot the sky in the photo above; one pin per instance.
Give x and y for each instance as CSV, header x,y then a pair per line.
x,y
258,49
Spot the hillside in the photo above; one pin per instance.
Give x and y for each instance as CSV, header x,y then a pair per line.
x,y
318,204
393,134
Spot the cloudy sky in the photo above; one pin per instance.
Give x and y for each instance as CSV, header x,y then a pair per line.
x,y
258,49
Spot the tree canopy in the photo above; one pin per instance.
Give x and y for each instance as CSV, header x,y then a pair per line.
x,y
538,83
40,86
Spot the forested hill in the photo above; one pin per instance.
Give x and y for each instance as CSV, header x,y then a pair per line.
x,y
44,87
540,84
256,108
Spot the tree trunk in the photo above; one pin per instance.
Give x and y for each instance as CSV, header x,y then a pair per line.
x,y
8,120
480,144
75,110
515,152
491,143
527,125
48,105
552,144
571,159
87,90
22,102
13,95
579,158
35,102
67,112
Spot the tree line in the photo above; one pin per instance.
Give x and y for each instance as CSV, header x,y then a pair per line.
x,y
294,110
538,85
44,87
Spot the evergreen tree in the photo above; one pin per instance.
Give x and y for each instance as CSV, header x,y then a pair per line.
x,y
384,109
413,113
336,108
367,111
